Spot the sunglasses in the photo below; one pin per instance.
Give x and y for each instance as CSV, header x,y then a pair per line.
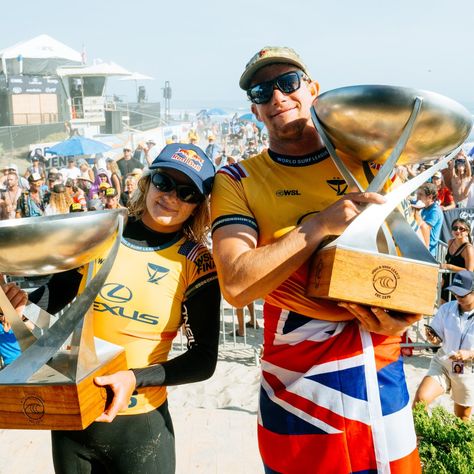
x,y
185,192
461,229
286,83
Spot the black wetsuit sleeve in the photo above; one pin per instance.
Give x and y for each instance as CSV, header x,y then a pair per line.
x,y
201,324
60,290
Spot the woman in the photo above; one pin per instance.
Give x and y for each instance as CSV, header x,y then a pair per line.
x,y
130,186
115,176
451,367
171,279
59,201
86,171
103,177
460,254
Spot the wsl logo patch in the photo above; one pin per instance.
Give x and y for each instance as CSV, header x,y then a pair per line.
x,y
338,185
287,192
156,273
189,158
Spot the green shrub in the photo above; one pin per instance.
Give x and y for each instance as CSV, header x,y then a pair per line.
x,y
445,442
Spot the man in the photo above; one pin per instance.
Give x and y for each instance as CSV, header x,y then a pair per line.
x,y
453,328
9,197
127,164
12,168
333,397
30,203
430,217
111,199
212,150
71,171
445,197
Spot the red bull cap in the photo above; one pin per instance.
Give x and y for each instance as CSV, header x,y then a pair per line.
x,y
190,160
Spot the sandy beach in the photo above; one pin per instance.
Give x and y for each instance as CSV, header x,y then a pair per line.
x,y
215,420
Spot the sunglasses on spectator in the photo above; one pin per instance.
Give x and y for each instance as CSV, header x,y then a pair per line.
x,y
286,83
461,229
185,192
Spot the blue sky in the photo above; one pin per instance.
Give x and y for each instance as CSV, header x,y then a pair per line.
x,y
202,47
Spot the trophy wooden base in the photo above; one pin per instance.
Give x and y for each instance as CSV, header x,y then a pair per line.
x,y
52,402
374,279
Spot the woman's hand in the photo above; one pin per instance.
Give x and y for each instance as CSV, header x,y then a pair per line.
x,y
462,355
379,320
18,297
122,385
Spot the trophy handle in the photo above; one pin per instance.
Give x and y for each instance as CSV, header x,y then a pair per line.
x,y
377,183
39,353
363,229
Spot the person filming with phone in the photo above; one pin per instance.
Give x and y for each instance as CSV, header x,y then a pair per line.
x,y
451,369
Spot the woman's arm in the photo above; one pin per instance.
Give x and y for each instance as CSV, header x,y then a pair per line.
x,y
201,324
60,290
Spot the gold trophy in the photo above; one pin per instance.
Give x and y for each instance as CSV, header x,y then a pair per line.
x,y
379,260
50,386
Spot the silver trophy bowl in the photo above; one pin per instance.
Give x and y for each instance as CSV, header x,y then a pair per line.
x,y
46,245
365,122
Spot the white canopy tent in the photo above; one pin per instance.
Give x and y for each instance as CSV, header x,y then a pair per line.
x,y
99,68
39,55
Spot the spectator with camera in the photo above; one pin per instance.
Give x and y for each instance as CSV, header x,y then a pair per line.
x,y
451,367
460,177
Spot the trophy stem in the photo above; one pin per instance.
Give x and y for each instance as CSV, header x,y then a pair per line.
x,y
346,174
384,172
23,335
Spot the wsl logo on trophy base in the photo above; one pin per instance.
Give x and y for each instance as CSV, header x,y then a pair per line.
x,y
384,281
33,408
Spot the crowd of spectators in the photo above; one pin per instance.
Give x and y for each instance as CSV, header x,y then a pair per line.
x,y
451,188
77,187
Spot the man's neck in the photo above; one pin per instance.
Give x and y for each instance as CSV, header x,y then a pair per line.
x,y
465,308
307,143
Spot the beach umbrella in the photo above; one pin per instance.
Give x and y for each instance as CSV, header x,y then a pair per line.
x,y
78,146
216,111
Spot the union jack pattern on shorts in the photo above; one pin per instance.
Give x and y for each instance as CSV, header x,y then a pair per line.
x,y
333,399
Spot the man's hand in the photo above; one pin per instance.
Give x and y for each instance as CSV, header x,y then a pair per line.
x,y
379,321
123,385
339,215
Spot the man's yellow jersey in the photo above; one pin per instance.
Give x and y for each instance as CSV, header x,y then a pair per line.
x,y
293,190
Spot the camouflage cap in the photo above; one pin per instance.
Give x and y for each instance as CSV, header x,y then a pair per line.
x,y
270,55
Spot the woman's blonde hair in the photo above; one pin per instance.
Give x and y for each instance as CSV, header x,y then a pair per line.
x,y
113,167
60,202
195,228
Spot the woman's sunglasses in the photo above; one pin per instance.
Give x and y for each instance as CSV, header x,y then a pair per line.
x,y
286,83
460,229
185,192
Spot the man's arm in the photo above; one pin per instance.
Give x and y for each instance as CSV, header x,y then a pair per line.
x,y
247,273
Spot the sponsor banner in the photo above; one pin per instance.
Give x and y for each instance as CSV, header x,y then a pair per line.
x,y
33,85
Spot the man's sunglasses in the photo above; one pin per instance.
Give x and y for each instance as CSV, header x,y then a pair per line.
x,y
461,229
286,83
185,192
